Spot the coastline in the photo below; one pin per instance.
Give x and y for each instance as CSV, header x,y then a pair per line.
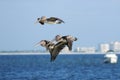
x,y
45,53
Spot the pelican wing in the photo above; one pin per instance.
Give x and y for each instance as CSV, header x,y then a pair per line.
x,y
69,44
58,47
51,19
50,47
60,20
54,19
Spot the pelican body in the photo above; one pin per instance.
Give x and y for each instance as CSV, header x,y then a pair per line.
x,y
51,20
69,39
54,49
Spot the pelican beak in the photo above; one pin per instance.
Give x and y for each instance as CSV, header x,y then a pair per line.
x,y
36,22
38,44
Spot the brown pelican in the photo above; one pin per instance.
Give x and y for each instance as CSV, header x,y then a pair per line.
x,y
51,20
69,39
54,49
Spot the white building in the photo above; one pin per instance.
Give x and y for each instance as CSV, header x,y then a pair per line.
x,y
86,49
104,47
78,49
116,46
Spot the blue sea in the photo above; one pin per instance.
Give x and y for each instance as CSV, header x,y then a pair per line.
x,y
65,67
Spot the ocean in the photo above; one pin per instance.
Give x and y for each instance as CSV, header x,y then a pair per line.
x,y
65,67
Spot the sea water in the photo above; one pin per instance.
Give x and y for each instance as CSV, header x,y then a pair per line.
x,y
65,67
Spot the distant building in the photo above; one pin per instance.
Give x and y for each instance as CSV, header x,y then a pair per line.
x,y
86,49
104,47
78,49
116,46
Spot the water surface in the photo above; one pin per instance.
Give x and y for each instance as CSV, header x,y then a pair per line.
x,y
65,67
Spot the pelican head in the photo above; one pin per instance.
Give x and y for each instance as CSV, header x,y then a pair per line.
x,y
58,37
43,43
71,38
75,39
41,20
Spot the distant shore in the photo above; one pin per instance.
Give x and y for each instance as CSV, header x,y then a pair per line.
x,y
45,53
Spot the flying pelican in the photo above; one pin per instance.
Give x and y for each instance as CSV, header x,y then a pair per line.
x,y
69,39
51,20
54,49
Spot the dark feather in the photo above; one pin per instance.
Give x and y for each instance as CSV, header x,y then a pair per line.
x,y
54,49
54,19
57,48
60,20
41,22
51,19
69,44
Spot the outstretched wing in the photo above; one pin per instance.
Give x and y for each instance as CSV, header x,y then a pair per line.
x,y
52,19
70,40
58,47
69,44
55,18
50,47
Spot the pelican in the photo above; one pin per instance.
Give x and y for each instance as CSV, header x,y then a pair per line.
x,y
54,49
51,20
69,39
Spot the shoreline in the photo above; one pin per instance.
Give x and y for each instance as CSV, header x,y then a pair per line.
x,y
46,53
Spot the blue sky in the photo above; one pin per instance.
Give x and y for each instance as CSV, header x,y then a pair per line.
x,y
91,21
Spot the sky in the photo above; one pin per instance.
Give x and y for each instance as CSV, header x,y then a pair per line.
x,y
92,21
